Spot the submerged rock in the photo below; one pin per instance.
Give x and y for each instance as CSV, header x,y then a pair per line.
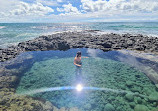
x,y
129,97
74,109
132,104
129,84
139,100
141,108
11,102
109,107
15,103
153,97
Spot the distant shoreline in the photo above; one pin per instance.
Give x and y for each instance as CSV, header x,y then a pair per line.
x,y
83,39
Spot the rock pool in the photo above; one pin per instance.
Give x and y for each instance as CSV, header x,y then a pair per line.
x,y
128,86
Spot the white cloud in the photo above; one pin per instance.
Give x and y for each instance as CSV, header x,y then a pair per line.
x,y
120,5
68,10
17,11
90,10
50,2
31,9
92,6
7,5
60,1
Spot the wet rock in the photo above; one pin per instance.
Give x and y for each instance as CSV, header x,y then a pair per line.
x,y
129,84
107,45
129,97
141,108
7,81
109,107
139,48
139,100
132,104
136,89
15,103
74,109
153,97
67,40
63,46
156,86
62,109
55,108
130,42
137,76
88,106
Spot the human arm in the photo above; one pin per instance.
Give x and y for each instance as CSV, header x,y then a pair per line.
x,y
84,57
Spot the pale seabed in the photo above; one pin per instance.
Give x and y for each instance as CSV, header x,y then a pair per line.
x,y
110,80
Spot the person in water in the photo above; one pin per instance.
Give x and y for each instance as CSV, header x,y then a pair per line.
x,y
78,64
77,60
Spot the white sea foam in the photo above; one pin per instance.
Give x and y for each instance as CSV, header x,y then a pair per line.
x,y
42,27
29,35
5,45
33,27
1,27
123,32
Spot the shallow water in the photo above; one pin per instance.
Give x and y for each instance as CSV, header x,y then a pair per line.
x,y
109,82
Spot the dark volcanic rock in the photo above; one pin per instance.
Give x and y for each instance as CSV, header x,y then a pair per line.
x,y
9,75
87,39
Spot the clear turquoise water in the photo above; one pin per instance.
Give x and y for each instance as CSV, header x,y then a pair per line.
x,y
13,33
101,69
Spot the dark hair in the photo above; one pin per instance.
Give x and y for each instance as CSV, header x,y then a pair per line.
x,y
78,53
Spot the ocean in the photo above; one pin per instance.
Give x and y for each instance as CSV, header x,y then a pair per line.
x,y
13,33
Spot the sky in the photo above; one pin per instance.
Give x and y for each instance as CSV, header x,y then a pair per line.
x,y
61,11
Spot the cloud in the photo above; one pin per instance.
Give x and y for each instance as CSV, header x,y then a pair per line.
x,y
119,5
68,10
86,10
50,2
31,9
92,6
18,11
7,5
60,1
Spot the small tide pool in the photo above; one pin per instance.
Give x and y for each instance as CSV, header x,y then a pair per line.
x,y
122,84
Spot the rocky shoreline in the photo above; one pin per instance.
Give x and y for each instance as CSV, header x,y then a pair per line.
x,y
10,76
83,39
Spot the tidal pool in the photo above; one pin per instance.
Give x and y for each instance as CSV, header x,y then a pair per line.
x,y
110,83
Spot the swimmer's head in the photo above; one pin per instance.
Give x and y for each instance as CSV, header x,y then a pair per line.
x,y
78,54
